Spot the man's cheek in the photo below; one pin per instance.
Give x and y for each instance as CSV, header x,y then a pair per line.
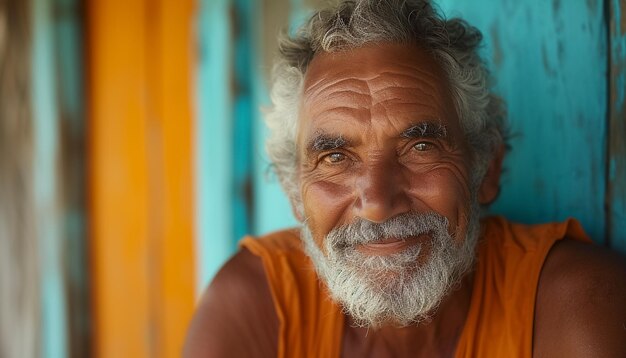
x,y
326,205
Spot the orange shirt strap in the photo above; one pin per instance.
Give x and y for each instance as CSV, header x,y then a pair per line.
x,y
510,258
311,324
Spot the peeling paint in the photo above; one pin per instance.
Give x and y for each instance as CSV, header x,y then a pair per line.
x,y
275,17
314,4
620,91
621,19
550,71
612,169
3,32
616,198
497,55
560,50
592,5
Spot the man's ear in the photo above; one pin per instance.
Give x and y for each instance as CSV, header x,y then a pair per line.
x,y
295,204
490,186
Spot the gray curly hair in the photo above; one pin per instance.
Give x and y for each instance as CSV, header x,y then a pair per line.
x,y
352,24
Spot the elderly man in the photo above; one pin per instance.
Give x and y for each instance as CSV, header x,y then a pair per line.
x,y
388,141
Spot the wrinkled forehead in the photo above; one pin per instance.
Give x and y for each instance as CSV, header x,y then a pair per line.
x,y
409,63
397,80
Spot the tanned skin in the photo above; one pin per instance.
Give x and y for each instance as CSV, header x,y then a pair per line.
x,y
580,309
367,103
235,316
580,312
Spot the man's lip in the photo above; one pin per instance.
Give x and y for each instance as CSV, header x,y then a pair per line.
x,y
388,246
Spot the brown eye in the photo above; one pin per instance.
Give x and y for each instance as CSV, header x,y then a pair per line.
x,y
334,158
422,146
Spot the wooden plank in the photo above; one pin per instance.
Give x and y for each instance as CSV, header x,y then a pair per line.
x,y
68,52
170,126
616,196
244,111
118,177
20,299
550,63
141,176
272,209
214,185
47,183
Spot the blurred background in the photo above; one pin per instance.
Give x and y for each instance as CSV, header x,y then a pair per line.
x,y
132,160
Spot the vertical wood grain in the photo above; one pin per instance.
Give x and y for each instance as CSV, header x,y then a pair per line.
x,y
549,60
272,209
616,173
118,177
171,126
244,112
140,175
20,274
47,181
214,150
68,36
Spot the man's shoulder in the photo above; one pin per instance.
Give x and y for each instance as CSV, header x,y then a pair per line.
x,y
236,307
581,302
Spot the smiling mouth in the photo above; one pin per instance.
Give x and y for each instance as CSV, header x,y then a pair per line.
x,y
390,246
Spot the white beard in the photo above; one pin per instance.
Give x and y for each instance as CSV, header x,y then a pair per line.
x,y
400,289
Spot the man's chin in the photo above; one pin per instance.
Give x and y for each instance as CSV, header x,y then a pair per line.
x,y
401,288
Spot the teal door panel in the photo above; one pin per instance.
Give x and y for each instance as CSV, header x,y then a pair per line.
x,y
616,197
549,60
214,140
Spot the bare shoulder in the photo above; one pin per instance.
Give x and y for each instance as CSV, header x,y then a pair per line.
x,y
235,316
581,303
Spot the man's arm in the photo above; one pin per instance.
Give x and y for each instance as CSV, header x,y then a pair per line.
x,y
236,315
581,303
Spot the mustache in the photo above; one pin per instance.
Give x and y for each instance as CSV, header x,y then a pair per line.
x,y
402,226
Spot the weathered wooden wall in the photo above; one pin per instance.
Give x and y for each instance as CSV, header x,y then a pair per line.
x,y
551,67
560,65
213,144
141,202
616,171
67,29
19,257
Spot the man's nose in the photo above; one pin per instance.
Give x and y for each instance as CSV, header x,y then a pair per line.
x,y
381,193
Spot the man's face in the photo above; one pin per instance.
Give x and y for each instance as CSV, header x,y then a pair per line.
x,y
379,137
379,140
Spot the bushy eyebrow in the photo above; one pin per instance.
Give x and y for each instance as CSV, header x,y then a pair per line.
x,y
425,130
323,142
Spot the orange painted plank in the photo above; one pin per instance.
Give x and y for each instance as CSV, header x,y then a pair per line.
x,y
140,175
174,96
117,177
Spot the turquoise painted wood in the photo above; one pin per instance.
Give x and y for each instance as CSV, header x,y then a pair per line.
x,y
272,210
68,43
244,108
214,149
46,156
616,198
550,62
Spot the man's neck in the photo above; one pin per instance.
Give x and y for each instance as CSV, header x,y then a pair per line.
x,y
437,337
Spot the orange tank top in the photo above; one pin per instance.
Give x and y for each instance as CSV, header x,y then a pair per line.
x,y
501,313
